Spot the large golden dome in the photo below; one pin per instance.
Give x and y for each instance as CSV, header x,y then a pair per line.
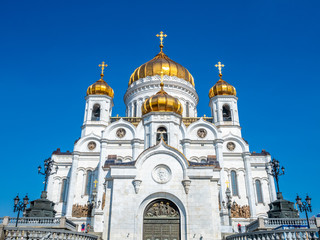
x,y
161,102
222,88
157,64
100,87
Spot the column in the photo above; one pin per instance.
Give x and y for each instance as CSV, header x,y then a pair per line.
x,y
272,188
219,154
249,184
135,143
73,182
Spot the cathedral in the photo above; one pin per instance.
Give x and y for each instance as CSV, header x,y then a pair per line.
x,y
161,172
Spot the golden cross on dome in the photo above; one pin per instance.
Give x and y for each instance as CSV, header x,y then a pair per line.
x,y
219,66
102,67
95,183
161,35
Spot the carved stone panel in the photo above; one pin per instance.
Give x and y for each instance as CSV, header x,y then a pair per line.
x,y
121,132
161,174
79,211
231,146
92,145
240,212
202,133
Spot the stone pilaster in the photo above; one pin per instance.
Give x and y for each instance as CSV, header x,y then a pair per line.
x,y
249,183
73,183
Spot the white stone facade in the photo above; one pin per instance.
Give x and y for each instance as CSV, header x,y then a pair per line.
x,y
191,167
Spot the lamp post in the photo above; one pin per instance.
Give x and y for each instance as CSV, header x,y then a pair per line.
x,y
48,164
229,204
276,171
20,205
304,206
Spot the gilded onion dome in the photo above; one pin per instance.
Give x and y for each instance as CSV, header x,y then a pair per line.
x,y
161,102
222,88
100,87
155,66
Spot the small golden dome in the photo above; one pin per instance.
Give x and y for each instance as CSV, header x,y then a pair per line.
x,y
161,102
100,87
222,88
157,64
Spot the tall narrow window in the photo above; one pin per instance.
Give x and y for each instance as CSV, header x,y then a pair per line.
x,y
63,190
89,182
259,191
96,113
234,183
187,109
162,133
226,113
135,109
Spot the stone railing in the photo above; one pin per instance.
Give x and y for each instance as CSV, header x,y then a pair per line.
x,y
134,120
11,233
290,234
62,222
271,223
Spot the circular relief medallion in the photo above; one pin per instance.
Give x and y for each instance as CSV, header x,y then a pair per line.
x,y
161,174
202,132
92,145
231,146
121,133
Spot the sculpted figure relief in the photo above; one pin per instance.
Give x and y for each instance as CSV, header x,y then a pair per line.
x,y
202,133
240,212
161,210
80,211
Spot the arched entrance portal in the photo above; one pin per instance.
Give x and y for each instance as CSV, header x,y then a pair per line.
x,y
161,221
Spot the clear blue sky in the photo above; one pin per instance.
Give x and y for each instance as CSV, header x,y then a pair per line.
x,y
50,51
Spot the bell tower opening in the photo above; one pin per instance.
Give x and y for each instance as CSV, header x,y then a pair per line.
x,y
226,113
96,113
162,132
161,221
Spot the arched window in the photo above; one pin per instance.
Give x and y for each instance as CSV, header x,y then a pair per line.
x,y
203,161
162,132
226,113
96,113
89,182
187,109
234,183
63,194
259,191
135,109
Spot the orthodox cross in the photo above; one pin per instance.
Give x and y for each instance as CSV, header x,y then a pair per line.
x,y
227,182
95,183
161,35
102,67
219,66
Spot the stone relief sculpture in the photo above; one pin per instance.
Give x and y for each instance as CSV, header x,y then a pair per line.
x,y
161,210
79,211
103,201
240,212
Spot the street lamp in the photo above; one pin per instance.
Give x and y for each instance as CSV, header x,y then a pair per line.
x,y
48,164
276,171
229,204
304,206
20,205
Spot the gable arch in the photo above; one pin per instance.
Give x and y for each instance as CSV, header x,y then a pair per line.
x,y
204,124
230,137
121,123
162,148
81,144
